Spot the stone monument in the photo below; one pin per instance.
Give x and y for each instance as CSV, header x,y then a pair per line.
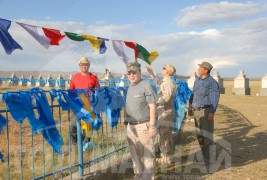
x,y
263,90
31,81
241,84
191,80
217,77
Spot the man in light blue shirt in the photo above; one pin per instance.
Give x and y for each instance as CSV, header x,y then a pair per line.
x,y
202,105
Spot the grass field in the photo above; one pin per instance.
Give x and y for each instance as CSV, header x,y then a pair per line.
x,y
251,106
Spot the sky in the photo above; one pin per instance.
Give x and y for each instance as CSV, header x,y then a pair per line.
x,y
231,35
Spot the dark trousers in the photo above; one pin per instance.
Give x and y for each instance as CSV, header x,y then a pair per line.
x,y
73,135
205,129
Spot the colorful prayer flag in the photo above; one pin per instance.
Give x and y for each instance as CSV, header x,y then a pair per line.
x,y
33,31
6,39
141,53
103,47
54,35
145,55
118,48
74,36
133,46
94,42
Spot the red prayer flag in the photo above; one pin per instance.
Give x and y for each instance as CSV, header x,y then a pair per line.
x,y
133,46
54,35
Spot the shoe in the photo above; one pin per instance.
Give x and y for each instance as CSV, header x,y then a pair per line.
x,y
164,160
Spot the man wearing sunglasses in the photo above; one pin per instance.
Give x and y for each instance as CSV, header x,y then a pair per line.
x,y
141,119
82,80
165,111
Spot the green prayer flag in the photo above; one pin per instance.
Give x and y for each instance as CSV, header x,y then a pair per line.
x,y
74,36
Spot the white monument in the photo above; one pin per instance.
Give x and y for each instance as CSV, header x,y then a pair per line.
x,y
60,83
13,80
23,81
40,82
50,82
68,81
31,81
241,84
109,79
191,80
217,77
263,90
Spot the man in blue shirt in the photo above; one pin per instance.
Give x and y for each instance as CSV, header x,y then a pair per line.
x,y
202,105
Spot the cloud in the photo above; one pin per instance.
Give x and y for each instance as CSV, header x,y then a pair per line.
x,y
241,45
212,13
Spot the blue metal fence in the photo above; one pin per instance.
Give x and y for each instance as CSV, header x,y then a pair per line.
x,y
29,156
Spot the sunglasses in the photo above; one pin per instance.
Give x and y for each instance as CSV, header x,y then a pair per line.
x,y
164,68
84,64
131,72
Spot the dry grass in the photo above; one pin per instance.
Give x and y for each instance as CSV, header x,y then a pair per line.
x,y
240,121
252,107
36,149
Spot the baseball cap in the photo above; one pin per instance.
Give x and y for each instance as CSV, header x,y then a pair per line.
x,y
133,66
206,65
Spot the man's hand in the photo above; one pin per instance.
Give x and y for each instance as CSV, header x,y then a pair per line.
x,y
151,132
149,69
210,116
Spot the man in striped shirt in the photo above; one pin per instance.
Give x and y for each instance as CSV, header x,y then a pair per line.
x,y
202,105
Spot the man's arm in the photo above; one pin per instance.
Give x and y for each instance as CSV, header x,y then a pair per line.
x,y
190,109
72,84
97,85
153,120
214,95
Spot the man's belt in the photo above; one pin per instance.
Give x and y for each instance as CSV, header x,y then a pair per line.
x,y
200,108
137,122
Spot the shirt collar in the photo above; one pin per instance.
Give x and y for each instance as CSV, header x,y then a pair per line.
x,y
204,78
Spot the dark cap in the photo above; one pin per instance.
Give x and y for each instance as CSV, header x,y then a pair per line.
x,y
133,66
206,65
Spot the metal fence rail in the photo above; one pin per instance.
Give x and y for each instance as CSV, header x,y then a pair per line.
x,y
29,156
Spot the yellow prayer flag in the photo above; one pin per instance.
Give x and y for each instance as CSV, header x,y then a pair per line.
x,y
96,43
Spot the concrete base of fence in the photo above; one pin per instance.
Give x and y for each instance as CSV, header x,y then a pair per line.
x,y
263,92
241,91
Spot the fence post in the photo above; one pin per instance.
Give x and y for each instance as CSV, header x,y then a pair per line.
x,y
80,149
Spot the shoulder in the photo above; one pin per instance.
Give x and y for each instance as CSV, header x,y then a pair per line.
x,y
145,84
168,82
92,75
77,75
211,80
